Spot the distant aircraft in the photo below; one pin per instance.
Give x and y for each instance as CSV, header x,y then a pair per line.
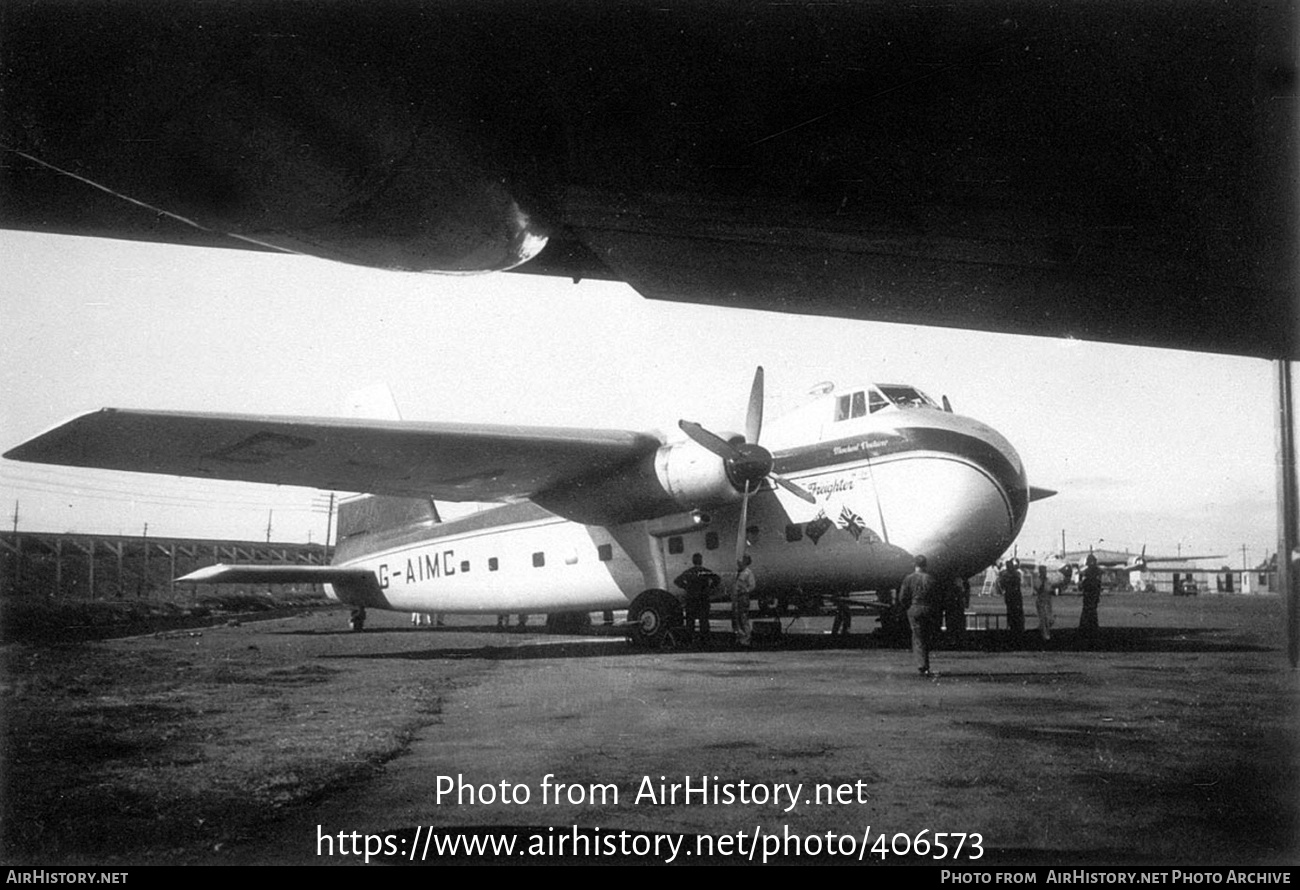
x,y
841,496
1117,564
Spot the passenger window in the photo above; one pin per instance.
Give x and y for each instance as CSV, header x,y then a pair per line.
x,y
605,552
539,559
793,533
492,564
464,566
710,540
675,545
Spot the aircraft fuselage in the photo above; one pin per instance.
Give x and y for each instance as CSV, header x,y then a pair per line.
x,y
888,486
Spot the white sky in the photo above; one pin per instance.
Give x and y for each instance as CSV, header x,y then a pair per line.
x,y
1146,446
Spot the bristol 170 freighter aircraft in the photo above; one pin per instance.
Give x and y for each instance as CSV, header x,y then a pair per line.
x,y
840,497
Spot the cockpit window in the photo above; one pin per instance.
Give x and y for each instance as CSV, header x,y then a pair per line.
x,y
907,397
853,405
868,401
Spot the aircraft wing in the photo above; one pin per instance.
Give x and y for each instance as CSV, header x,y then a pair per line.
x,y
1120,172
454,462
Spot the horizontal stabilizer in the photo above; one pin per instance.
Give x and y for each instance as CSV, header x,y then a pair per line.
x,y
355,586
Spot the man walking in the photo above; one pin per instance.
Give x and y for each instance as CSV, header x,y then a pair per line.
x,y
920,596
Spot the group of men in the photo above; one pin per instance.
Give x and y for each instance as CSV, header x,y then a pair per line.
x,y
1044,588
925,597
699,584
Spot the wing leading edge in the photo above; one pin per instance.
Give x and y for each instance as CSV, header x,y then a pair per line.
x,y
453,462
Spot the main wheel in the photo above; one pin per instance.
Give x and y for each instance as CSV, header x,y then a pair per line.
x,y
651,617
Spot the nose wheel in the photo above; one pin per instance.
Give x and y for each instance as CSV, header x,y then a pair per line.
x,y
655,619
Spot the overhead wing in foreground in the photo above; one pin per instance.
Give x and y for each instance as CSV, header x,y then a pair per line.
x,y
454,462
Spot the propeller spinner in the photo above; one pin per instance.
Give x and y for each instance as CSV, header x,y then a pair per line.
x,y
747,463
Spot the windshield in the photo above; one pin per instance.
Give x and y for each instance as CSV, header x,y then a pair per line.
x,y
906,396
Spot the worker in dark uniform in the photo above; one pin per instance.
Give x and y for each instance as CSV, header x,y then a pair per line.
x,y
1013,596
922,597
699,583
843,622
955,602
1090,587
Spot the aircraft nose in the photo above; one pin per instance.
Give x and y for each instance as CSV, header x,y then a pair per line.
x,y
961,501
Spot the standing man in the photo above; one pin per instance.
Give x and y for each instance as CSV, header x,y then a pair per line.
x,y
699,583
1090,587
1043,590
744,586
1009,583
921,596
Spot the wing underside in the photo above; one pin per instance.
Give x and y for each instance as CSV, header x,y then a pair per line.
x,y
454,462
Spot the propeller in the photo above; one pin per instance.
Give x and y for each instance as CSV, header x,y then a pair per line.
x,y
747,463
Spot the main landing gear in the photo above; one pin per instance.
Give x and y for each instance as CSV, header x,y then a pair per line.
x,y
357,621
655,620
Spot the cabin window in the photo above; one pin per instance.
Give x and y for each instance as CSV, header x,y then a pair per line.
x,y
492,564
571,559
860,404
464,565
675,545
710,540
793,533
875,401
539,559
842,406
605,552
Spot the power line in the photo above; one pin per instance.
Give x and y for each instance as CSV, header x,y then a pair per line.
x,y
160,500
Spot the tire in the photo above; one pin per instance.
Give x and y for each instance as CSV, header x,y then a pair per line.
x,y
568,622
652,617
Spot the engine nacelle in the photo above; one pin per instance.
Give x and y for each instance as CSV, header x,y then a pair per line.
x,y
694,476
677,477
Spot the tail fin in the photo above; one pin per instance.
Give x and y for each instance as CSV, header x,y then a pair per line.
x,y
376,514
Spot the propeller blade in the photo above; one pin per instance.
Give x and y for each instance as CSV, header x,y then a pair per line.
x,y
740,533
754,416
792,487
718,445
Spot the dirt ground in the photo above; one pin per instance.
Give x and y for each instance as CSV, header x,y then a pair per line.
x,y
1172,740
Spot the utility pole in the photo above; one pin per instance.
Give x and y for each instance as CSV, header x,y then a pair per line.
x,y
144,580
1243,558
269,514
15,516
329,527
